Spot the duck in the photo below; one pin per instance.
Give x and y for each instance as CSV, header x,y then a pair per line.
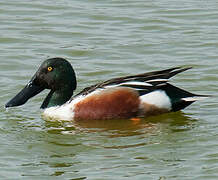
x,y
133,96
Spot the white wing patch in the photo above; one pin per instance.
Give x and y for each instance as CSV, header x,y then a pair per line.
x,y
158,98
130,83
112,86
157,80
138,83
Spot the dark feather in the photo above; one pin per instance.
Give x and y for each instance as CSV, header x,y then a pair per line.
x,y
154,75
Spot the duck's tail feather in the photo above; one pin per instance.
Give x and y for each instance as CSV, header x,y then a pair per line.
x,y
181,98
178,70
195,98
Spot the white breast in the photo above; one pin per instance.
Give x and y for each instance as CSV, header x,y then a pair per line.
x,y
64,112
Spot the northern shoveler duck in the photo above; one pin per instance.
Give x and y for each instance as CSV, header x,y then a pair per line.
x,y
139,95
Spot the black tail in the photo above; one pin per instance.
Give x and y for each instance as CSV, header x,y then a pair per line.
x,y
180,98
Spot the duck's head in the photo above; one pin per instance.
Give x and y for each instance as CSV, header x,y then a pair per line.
x,y
55,74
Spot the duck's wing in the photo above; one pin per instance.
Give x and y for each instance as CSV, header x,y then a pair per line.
x,y
143,83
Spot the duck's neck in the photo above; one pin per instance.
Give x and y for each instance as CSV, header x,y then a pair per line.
x,y
57,98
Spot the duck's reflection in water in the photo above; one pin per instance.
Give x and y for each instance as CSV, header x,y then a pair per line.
x,y
123,127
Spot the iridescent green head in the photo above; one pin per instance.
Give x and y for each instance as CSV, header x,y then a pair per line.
x,y
55,74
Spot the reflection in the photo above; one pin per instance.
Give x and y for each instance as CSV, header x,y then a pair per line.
x,y
177,121
105,139
174,118
112,128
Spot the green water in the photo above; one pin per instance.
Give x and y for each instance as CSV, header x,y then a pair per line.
x,y
102,40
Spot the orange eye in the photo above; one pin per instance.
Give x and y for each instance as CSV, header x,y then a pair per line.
x,y
50,68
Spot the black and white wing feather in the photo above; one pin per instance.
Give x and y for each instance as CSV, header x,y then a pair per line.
x,y
143,83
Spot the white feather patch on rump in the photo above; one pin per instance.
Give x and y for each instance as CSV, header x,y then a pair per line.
x,y
158,98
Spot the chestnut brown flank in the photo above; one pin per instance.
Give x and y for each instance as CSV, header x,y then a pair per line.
x,y
116,103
